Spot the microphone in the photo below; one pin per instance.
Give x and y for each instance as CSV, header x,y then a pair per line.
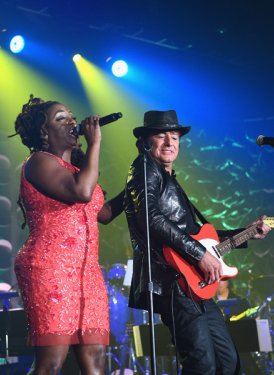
x,y
103,121
147,145
143,145
262,140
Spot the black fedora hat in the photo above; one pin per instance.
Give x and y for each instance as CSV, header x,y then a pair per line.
x,y
160,121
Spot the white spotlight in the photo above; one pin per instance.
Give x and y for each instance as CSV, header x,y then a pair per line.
x,y
17,44
119,68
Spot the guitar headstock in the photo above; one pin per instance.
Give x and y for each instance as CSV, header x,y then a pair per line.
x,y
269,221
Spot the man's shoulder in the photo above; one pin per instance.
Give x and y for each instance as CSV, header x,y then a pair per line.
x,y
150,162
154,172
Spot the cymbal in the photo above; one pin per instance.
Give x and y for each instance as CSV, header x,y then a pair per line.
x,y
264,285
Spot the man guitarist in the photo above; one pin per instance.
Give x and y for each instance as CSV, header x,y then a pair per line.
x,y
196,325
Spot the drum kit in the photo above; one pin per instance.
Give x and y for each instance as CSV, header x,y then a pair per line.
x,y
258,291
121,354
262,288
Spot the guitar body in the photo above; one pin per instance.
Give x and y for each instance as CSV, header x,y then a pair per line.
x,y
192,276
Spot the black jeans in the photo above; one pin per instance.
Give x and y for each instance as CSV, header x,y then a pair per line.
x,y
203,342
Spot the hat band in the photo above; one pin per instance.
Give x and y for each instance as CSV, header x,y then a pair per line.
x,y
159,126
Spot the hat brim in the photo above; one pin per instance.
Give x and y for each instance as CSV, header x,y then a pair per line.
x,y
143,131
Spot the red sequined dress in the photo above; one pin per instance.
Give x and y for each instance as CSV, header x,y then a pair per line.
x,y
57,269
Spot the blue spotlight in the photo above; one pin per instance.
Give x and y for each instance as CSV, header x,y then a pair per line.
x,y
119,68
17,44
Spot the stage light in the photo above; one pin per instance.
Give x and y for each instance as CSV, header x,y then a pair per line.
x,y
17,44
119,68
76,57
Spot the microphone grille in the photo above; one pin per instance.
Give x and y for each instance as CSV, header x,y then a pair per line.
x,y
260,140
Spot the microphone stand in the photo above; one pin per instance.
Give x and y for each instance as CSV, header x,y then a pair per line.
x,y
150,284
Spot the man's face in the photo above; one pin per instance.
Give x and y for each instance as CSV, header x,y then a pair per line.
x,y
165,147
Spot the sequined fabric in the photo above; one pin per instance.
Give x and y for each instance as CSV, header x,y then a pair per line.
x,y
57,268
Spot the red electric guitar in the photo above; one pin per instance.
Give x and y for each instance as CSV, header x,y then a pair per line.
x,y
192,277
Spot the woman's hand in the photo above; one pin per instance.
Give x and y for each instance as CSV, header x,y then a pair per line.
x,y
92,130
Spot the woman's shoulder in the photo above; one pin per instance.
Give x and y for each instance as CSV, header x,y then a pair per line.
x,y
42,158
44,162
37,157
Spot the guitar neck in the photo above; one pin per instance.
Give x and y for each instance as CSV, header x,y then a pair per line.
x,y
245,235
235,241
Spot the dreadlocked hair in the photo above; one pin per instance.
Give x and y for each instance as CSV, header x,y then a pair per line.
x,y
30,124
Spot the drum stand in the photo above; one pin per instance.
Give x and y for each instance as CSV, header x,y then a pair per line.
x,y
132,358
6,319
6,327
111,356
131,364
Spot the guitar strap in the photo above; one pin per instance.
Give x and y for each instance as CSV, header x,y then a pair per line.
x,y
199,215
194,210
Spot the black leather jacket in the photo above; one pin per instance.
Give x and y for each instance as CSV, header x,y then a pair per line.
x,y
171,221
